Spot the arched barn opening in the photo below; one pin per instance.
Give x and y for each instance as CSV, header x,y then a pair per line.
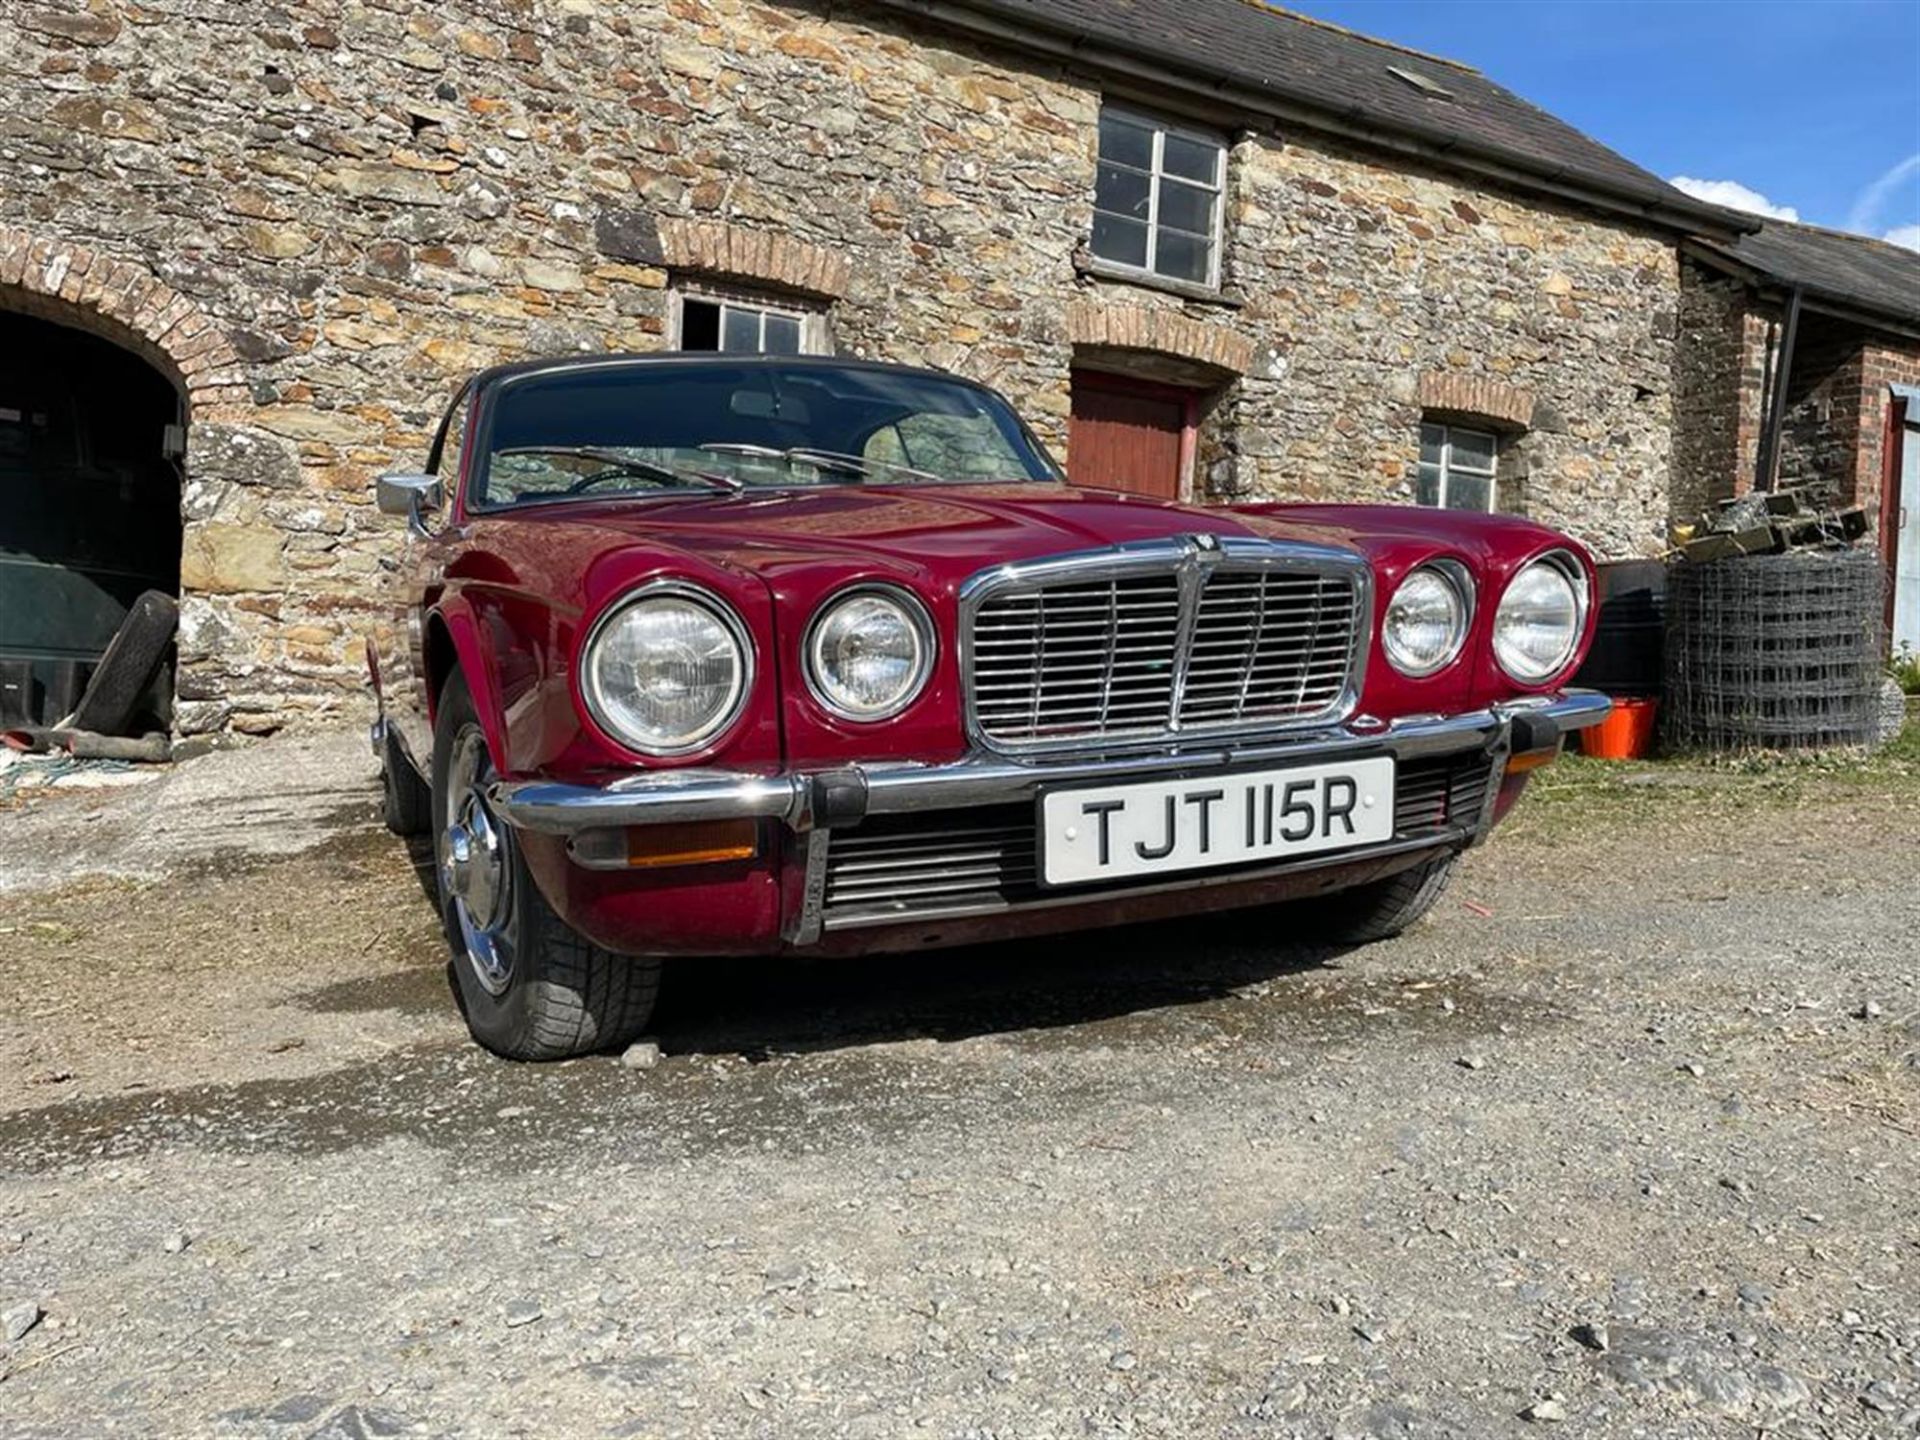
x,y
90,441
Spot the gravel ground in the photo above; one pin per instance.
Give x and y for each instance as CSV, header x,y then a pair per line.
x,y
1624,1142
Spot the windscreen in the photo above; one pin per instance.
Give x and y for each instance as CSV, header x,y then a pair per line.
x,y
650,428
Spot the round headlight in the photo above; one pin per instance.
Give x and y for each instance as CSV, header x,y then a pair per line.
x,y
869,653
666,670
1540,618
1426,621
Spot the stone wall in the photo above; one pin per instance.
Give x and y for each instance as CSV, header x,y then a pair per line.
x,y
358,204
1367,281
1718,379
1833,439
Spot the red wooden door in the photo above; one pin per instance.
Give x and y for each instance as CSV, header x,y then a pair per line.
x,y
1129,434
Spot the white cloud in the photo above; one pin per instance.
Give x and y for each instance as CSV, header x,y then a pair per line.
x,y
1865,215
1907,235
1733,195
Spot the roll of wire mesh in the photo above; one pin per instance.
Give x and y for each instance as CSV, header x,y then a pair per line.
x,y
1775,652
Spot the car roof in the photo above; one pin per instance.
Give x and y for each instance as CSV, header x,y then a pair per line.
x,y
560,364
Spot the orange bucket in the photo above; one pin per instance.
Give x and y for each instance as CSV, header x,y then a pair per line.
x,y
1626,734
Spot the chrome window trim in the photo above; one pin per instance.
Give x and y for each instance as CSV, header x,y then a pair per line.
x,y
917,616
707,600
1191,558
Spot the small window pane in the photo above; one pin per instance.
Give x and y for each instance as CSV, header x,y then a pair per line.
x,y
1191,159
699,325
1122,241
1433,443
1469,492
1122,192
1186,207
1182,257
1426,490
783,335
1472,450
1126,141
741,331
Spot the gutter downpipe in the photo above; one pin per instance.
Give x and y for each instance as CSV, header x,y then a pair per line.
x,y
1767,464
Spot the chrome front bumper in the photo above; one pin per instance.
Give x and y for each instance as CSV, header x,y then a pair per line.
x,y
804,801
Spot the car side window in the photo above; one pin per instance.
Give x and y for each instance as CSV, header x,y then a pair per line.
x,y
446,457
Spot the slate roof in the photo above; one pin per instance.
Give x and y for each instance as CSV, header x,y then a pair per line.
x,y
1309,65
1849,270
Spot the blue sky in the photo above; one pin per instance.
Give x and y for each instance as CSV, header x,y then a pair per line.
x,y
1812,105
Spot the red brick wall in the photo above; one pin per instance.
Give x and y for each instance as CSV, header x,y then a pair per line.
x,y
1834,433
1819,439
1882,364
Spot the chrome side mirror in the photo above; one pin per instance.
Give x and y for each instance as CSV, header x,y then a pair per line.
x,y
408,495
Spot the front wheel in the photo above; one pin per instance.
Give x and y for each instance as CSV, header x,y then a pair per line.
x,y
1378,910
530,986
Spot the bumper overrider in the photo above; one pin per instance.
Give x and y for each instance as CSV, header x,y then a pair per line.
x,y
595,819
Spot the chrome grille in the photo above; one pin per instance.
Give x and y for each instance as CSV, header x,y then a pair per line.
x,y
1087,658
1268,645
911,864
1439,794
952,862
1120,647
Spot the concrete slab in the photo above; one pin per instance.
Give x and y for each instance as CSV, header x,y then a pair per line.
x,y
275,798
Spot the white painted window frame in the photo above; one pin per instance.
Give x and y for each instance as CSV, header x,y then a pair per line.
x,y
814,338
1216,239
1491,474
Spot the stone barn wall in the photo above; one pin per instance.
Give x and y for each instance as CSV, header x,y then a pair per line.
x,y
360,204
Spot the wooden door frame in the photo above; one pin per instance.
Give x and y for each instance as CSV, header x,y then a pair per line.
x,y
1187,398
1892,448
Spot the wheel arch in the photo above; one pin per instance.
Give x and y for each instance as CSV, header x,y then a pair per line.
x,y
454,642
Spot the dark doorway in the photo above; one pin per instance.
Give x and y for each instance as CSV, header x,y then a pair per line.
x,y
89,506
1129,434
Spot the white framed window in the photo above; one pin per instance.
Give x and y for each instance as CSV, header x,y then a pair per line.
x,y
1158,197
743,324
1457,467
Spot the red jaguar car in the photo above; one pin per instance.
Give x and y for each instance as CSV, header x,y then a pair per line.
x,y
703,655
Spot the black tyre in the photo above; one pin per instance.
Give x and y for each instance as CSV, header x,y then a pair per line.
x,y
1380,910
120,681
405,803
531,988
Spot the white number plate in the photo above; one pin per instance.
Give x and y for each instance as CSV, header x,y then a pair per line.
x,y
1158,826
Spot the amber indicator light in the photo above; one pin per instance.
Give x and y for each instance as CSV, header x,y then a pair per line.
x,y
651,847
1532,760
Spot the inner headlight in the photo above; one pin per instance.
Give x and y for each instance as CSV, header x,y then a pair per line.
x,y
667,670
1540,618
1426,621
869,653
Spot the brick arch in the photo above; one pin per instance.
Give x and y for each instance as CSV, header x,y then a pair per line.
x,y
1477,397
766,257
125,302
1095,325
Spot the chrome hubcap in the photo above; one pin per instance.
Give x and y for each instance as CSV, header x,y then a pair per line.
x,y
476,866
